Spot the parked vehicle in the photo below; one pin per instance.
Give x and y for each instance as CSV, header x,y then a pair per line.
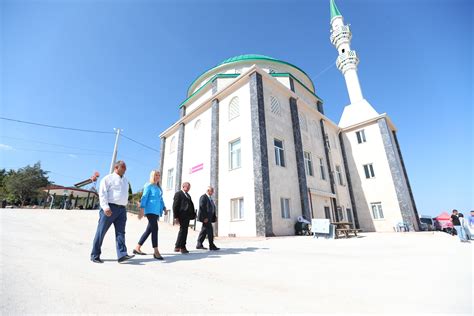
x,y
427,223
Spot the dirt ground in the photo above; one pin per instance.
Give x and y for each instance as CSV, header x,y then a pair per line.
x,y
45,268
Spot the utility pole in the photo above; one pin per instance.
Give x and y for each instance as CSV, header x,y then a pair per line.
x,y
114,155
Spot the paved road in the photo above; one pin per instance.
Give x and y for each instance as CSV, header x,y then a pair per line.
x,y
45,268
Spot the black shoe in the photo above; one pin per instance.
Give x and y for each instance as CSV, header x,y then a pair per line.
x,y
158,257
184,250
214,248
177,249
136,252
125,258
97,260
201,247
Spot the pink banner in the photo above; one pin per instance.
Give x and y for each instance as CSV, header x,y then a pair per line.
x,y
196,168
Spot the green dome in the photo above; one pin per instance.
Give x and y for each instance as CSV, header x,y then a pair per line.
x,y
246,57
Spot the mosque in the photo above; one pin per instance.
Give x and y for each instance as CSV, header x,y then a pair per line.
x,y
254,129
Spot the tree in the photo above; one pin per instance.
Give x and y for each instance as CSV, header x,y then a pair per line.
x,y
25,183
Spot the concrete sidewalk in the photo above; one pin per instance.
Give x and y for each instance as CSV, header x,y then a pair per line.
x,y
45,268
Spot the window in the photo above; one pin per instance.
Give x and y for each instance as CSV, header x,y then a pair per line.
x,y
237,209
303,123
326,139
308,164
275,106
285,208
173,145
361,136
197,125
169,181
327,212
321,169
340,214
234,109
234,155
339,175
316,128
377,210
279,152
369,171
349,215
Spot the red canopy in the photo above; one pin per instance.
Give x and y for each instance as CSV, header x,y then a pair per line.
x,y
443,217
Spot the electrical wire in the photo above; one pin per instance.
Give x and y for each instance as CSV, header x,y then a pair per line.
x,y
146,146
58,127
59,145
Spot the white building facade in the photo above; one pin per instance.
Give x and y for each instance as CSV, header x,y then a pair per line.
x,y
254,129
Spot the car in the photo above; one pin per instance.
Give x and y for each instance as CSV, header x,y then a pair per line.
x,y
427,223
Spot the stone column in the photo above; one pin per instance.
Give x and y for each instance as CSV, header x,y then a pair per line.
x,y
263,206
328,162
401,188
302,184
162,157
214,181
348,180
179,160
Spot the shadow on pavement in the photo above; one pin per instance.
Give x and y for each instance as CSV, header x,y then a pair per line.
x,y
192,255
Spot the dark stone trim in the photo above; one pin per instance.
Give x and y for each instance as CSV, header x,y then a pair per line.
x,y
214,86
162,156
348,180
328,163
302,184
263,206
417,217
320,107
179,160
399,182
292,84
214,181
182,111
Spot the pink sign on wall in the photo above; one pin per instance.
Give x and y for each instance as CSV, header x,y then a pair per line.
x,y
196,168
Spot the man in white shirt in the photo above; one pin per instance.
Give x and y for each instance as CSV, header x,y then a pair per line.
x,y
113,198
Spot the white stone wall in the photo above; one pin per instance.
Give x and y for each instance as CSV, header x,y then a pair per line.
x,y
237,183
197,101
197,149
378,189
169,163
283,180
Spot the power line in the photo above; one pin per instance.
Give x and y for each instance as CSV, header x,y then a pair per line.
x,y
77,130
59,145
325,69
146,146
58,127
59,152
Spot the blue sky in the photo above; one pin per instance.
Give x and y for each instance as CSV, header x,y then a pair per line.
x,y
104,64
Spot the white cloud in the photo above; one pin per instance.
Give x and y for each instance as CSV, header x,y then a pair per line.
x,y
72,156
5,147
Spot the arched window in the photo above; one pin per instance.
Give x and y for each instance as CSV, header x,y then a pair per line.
x,y
275,106
234,109
303,123
197,125
173,145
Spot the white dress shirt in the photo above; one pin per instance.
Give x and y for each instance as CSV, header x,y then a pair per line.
x,y
113,189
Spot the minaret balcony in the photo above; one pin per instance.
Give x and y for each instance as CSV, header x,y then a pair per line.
x,y
341,34
346,61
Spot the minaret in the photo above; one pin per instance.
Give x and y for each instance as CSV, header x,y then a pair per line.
x,y
359,110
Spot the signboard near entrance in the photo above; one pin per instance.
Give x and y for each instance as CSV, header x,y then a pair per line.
x,y
320,225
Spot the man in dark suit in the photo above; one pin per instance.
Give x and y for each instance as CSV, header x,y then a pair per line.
x,y
207,215
183,211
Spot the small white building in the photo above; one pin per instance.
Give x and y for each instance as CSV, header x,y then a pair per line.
x,y
254,128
